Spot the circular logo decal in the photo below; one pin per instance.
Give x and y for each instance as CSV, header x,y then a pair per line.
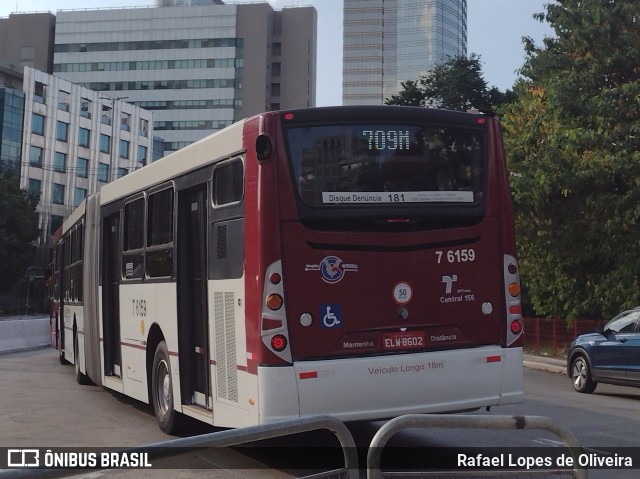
x,y
331,269
402,293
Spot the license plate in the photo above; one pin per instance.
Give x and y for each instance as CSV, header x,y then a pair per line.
x,y
403,340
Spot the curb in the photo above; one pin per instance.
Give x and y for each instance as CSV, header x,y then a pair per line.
x,y
25,349
546,367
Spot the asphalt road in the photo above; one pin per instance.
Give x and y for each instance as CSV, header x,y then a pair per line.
x,y
41,405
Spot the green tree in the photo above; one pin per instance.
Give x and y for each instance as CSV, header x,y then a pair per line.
x,y
410,95
456,84
572,143
18,228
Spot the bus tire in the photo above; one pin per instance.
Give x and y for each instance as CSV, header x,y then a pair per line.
x,y
81,378
61,356
169,420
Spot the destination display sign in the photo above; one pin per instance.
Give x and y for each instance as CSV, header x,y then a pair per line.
x,y
346,197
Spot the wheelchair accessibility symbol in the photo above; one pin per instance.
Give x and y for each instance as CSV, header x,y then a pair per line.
x,y
331,316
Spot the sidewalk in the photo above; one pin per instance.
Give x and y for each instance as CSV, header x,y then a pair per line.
x,y
545,363
23,333
17,317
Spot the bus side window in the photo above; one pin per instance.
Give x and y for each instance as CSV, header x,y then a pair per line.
x,y
160,234
79,268
133,250
228,183
226,232
66,269
57,272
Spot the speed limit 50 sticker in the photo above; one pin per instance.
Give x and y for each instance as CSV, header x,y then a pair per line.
x,y
402,292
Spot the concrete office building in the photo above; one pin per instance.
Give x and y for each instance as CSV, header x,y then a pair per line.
x,y
387,42
199,65
75,140
26,39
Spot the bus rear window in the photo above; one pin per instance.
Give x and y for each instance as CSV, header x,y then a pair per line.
x,y
372,164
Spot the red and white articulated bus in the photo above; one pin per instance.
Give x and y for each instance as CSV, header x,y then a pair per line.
x,y
352,261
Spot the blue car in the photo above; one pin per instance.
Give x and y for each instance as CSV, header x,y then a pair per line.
x,y
610,355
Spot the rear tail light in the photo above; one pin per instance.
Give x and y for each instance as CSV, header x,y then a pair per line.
x,y
516,327
269,324
274,330
513,302
274,302
398,220
279,342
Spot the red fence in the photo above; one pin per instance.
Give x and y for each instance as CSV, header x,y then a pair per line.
x,y
554,335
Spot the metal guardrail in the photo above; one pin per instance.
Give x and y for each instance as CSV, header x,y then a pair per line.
x,y
236,437
447,421
233,437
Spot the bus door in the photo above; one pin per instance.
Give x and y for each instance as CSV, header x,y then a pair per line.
x,y
193,326
110,295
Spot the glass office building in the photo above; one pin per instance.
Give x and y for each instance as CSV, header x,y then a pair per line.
x,y
11,118
387,42
198,65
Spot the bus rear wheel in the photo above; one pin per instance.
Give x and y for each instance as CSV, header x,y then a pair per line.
x,y
169,420
81,378
59,342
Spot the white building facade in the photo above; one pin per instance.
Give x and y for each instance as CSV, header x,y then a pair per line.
x,y
387,42
74,141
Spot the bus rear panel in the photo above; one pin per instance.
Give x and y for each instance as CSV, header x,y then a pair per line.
x,y
398,273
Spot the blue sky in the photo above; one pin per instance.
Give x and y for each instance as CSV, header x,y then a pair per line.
x,y
494,31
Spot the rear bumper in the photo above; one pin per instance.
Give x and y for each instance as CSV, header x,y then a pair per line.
x,y
388,386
